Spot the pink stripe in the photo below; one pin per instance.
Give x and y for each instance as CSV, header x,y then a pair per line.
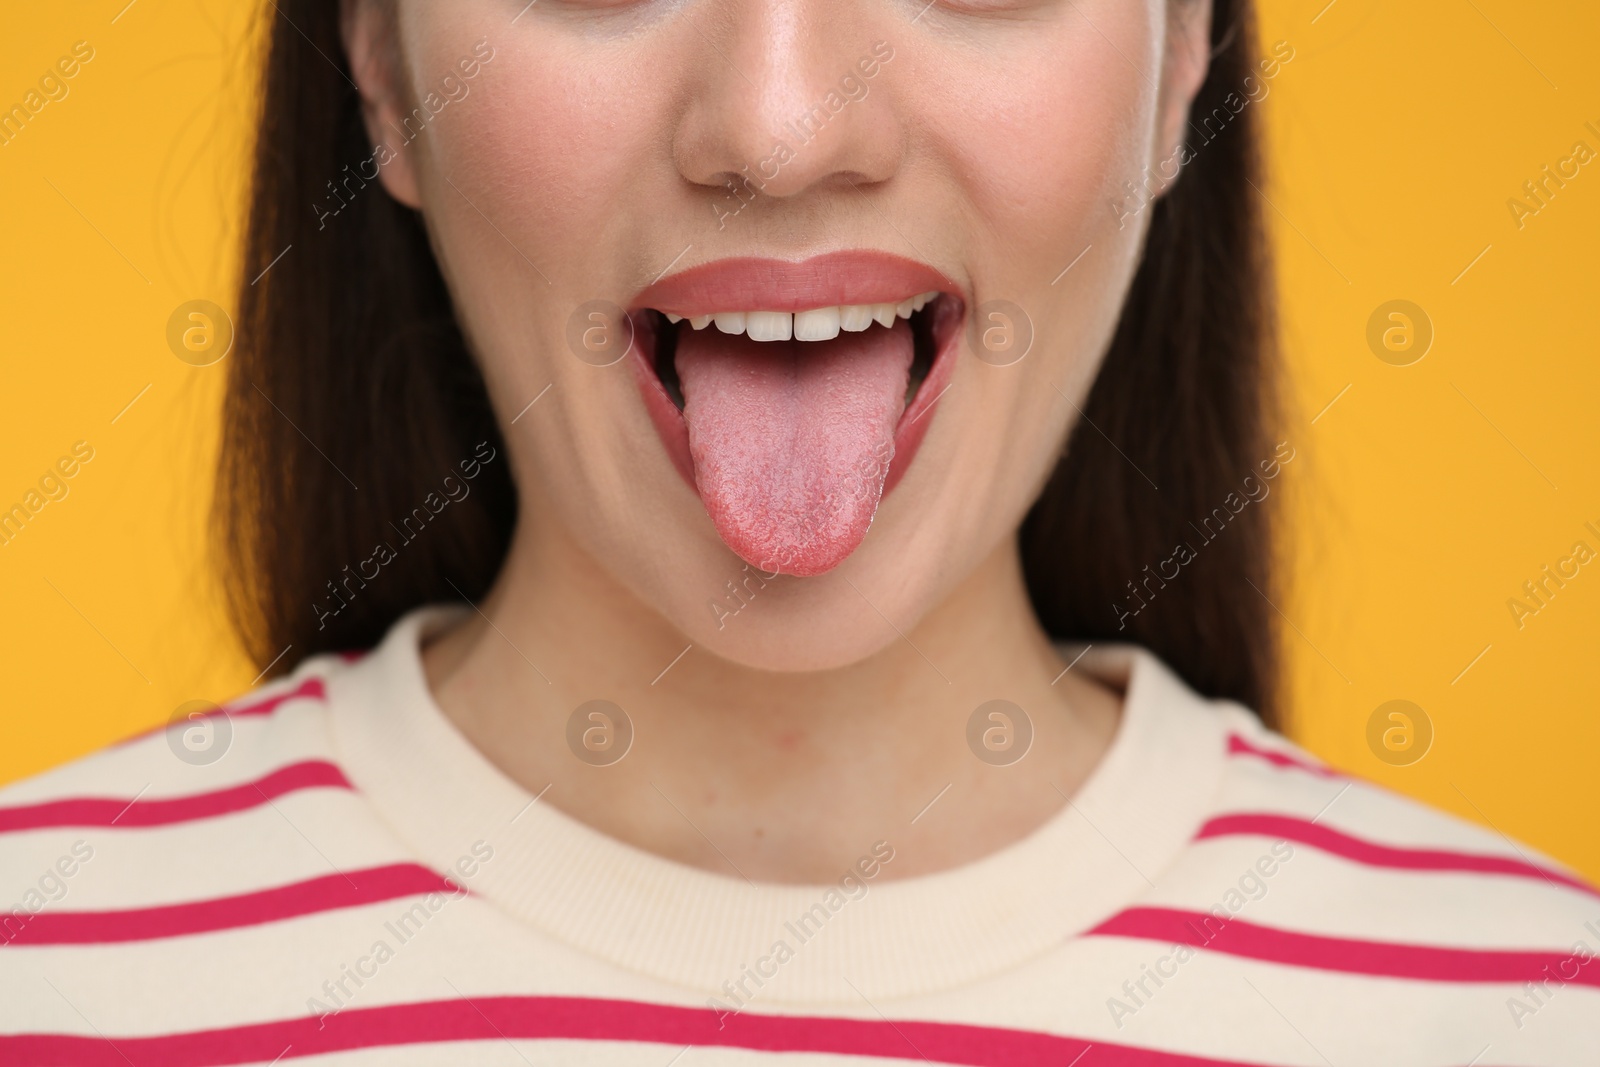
x,y
111,811
329,893
310,689
1238,746
1375,855
580,1018
1427,963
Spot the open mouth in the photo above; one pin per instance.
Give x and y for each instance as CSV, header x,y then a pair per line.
x,y
790,416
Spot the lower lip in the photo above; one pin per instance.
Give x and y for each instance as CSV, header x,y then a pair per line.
x,y
908,435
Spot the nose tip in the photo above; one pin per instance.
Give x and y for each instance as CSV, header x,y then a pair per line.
x,y
785,107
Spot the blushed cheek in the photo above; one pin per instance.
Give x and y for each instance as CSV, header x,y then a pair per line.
x,y
558,153
550,148
1050,147
1040,147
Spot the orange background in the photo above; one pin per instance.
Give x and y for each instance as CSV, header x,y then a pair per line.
x,y
1420,501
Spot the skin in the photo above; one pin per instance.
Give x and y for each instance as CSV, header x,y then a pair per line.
x,y
585,159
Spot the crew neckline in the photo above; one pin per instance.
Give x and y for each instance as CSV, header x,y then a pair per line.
x,y
698,929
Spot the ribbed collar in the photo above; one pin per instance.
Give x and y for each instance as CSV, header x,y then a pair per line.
x,y
697,929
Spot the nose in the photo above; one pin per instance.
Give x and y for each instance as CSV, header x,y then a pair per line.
x,y
792,97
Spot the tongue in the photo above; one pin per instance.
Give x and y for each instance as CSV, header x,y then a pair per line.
x,y
791,440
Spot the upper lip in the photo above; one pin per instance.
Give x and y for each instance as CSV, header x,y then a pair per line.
x,y
834,279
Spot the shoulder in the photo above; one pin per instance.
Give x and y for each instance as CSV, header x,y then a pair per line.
x,y
1299,865
203,875
230,744
1274,788
224,803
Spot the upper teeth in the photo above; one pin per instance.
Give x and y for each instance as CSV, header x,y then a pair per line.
x,y
818,324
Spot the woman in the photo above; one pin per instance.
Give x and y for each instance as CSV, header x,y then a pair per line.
x,y
800,469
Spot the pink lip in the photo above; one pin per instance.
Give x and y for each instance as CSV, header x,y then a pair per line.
x,y
833,279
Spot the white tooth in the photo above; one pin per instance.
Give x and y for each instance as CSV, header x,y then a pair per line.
x,y
820,324
674,319
769,325
883,314
700,322
856,318
922,301
904,308
729,321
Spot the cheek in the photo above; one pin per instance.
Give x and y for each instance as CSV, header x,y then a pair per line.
x,y
553,143
1040,140
1044,135
552,146
557,148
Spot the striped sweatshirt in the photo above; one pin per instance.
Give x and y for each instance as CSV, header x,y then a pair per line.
x,y
326,871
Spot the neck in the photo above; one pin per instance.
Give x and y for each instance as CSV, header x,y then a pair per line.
x,y
781,777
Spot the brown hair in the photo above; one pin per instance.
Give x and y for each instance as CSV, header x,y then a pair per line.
x,y
352,395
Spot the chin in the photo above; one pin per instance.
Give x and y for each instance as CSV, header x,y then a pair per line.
x,y
786,624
